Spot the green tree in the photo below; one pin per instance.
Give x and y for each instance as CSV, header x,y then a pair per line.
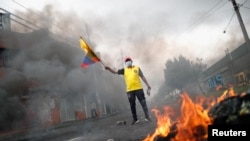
x,y
181,71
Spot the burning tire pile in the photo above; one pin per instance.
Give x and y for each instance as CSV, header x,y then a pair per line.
x,y
232,110
194,120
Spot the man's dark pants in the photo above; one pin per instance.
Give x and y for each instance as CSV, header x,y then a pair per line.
x,y
139,94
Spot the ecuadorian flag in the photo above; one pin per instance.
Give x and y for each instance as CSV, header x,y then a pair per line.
x,y
90,57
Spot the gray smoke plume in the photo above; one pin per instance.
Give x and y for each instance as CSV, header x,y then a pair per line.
x,y
146,37
52,67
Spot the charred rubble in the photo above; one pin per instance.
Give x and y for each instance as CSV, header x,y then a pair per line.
x,y
232,110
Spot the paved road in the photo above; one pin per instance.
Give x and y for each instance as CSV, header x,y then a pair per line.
x,y
99,129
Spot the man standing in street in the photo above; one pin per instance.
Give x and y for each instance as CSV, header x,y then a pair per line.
x,y
134,87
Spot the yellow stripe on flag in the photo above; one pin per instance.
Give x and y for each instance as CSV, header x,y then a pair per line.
x,y
84,46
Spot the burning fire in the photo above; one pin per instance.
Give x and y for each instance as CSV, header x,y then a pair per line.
x,y
163,123
192,125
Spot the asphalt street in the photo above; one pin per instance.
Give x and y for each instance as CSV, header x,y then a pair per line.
x,y
106,128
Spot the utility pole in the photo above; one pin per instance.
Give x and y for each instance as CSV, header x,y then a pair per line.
x,y
236,9
229,55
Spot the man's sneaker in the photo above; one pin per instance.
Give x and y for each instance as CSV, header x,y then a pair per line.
x,y
135,122
147,119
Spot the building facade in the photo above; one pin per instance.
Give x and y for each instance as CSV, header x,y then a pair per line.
x,y
233,69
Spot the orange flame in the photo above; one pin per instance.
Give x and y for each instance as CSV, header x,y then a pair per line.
x,y
163,123
193,121
228,93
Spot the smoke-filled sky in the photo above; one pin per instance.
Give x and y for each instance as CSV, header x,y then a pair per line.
x,y
149,31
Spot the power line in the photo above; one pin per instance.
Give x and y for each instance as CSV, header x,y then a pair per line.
x,y
239,5
246,7
20,21
229,22
215,8
243,4
20,18
244,31
18,3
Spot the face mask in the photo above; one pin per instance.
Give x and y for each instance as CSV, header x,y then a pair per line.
x,y
128,63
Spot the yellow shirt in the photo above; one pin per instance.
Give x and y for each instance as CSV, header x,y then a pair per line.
x,y
132,78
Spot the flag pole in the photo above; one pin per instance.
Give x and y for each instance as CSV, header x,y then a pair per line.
x,y
102,62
